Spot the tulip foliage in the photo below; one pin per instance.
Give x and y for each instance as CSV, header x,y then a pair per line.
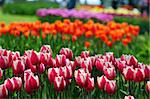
x,y
41,75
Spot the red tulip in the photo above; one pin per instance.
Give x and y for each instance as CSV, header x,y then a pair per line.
x,y
9,83
51,62
46,49
110,86
41,68
128,73
60,60
85,54
110,73
109,56
45,57
17,83
133,61
3,62
130,60
129,97
1,73
87,64
121,65
18,67
147,72
99,64
52,73
92,58
27,73
78,61
3,91
148,87
101,82
67,52
139,75
89,85
59,83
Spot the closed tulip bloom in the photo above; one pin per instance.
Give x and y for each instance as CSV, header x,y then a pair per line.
x,y
110,56
147,72
51,62
46,49
52,73
148,87
128,73
3,91
1,73
110,73
99,64
121,65
17,83
101,81
59,83
139,75
87,64
85,54
78,61
33,82
41,68
67,52
133,61
60,60
3,62
18,67
89,84
9,84
44,58
129,97
27,73
110,86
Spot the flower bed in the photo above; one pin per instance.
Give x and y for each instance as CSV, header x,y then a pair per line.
x,y
36,74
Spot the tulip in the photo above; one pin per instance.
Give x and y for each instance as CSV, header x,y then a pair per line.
x,y
101,81
3,91
99,64
148,87
18,67
85,54
128,73
17,83
121,65
67,52
147,72
139,75
87,64
52,73
9,83
110,73
3,62
41,68
44,58
109,56
1,73
59,83
89,85
51,62
60,60
46,49
110,86
129,97
78,61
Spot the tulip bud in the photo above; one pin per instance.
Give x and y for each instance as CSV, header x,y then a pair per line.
x,y
18,67
110,86
52,73
129,97
89,85
139,75
51,62
148,87
17,83
46,49
1,73
9,84
128,73
41,68
3,62
99,64
59,83
60,60
147,72
101,82
110,73
3,91
33,82
78,61
121,65
85,54
87,64
67,52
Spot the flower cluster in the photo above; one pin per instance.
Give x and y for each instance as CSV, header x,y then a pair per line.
x,y
74,13
60,70
109,33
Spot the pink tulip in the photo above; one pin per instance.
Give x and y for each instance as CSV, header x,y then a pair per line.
x,y
60,60
89,85
3,91
147,72
129,97
46,49
51,62
139,75
9,83
110,73
41,68
148,87
3,62
17,83
99,64
85,54
128,73
109,56
110,86
121,65
1,73
44,58
101,81
67,52
59,83
78,61
87,64
52,73
18,67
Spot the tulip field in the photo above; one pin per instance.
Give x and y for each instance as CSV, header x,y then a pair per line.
x,y
74,54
